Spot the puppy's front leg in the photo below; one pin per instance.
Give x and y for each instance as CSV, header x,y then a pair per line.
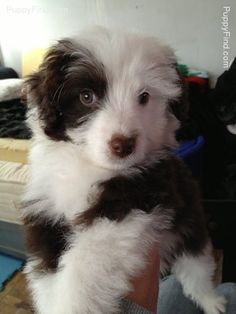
x,y
93,273
195,274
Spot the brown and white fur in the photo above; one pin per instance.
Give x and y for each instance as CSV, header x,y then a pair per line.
x,y
104,187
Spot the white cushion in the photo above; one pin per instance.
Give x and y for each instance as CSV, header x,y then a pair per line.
x,y
10,88
13,177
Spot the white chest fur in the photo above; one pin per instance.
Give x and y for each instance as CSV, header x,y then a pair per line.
x,y
61,176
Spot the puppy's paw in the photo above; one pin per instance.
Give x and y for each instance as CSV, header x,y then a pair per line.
x,y
214,305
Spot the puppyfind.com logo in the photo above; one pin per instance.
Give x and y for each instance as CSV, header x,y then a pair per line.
x,y
225,27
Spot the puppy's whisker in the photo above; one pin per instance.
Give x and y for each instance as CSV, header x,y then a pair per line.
x,y
56,92
60,91
83,119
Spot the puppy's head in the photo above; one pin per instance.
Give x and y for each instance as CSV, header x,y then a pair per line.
x,y
108,93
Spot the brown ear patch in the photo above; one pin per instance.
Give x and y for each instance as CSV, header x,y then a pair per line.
x,y
67,68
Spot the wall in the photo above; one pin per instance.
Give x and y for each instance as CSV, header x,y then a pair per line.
x,y
192,27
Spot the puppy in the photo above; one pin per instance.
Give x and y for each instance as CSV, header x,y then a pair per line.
x,y
104,186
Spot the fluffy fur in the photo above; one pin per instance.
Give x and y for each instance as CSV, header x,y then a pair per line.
x,y
91,211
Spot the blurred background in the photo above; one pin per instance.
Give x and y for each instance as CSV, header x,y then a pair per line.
x,y
192,28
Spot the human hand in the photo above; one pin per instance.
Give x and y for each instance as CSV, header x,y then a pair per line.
x,y
145,292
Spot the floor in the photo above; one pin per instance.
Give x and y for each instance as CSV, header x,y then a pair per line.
x,y
14,299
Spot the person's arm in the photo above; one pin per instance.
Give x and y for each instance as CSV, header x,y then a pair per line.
x,y
145,293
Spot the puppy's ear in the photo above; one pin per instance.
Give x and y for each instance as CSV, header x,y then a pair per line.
x,y
180,106
44,87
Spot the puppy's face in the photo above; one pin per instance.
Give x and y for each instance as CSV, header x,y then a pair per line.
x,y
108,93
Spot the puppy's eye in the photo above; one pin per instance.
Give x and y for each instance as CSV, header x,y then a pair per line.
x,y
143,98
87,97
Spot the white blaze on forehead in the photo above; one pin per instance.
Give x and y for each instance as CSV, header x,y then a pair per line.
x,y
133,64
134,61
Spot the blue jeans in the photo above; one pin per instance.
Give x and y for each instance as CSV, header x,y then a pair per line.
x,y
172,301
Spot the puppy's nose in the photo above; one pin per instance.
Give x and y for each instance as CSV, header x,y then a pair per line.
x,y
121,145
